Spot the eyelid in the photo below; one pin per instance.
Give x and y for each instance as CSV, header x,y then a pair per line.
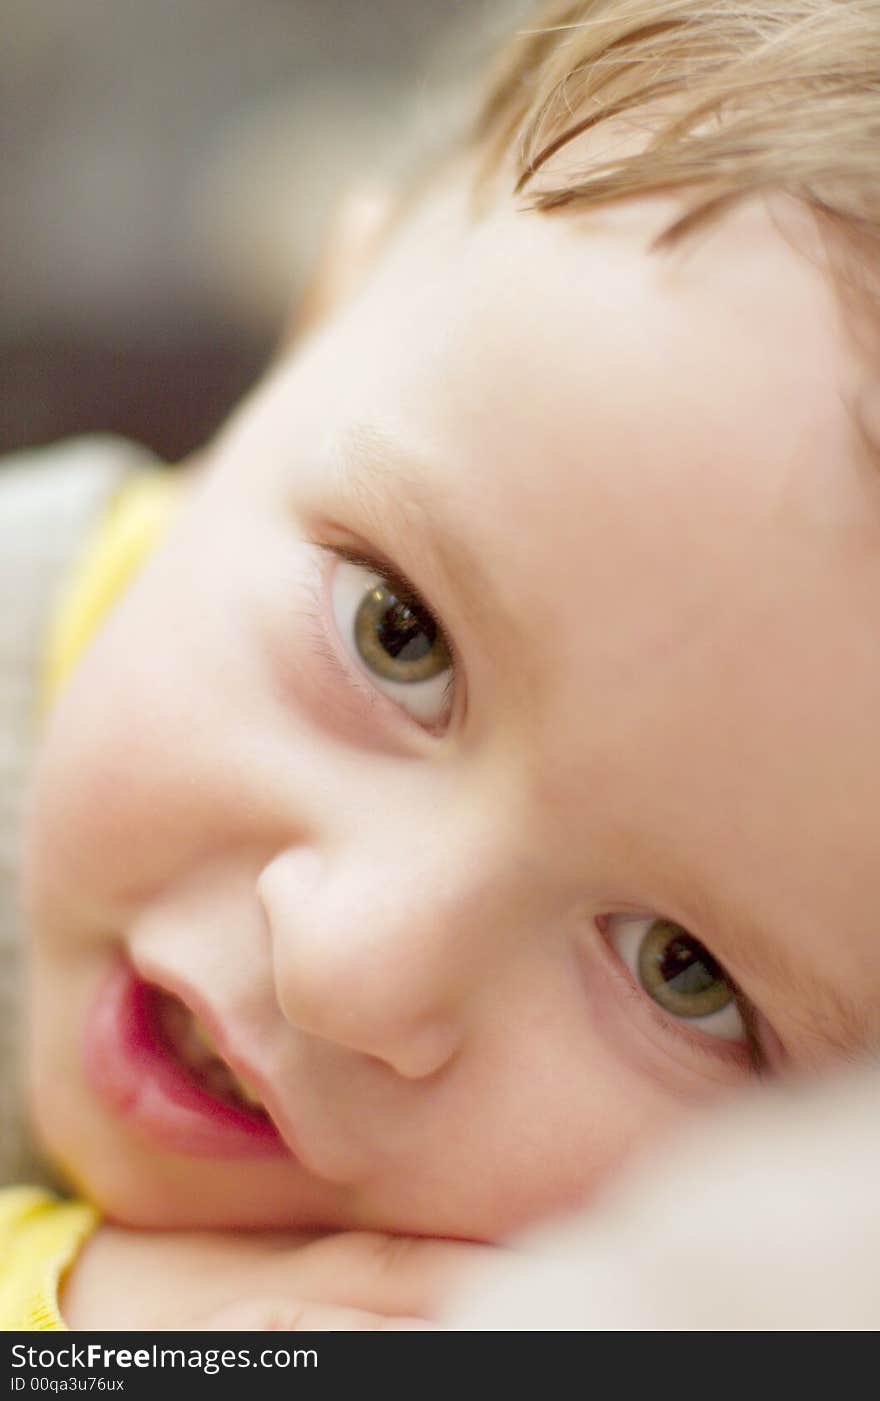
x,y
378,564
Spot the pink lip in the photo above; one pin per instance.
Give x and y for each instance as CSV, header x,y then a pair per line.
x,y
136,1076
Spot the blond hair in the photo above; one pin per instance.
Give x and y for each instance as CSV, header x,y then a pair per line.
x,y
735,98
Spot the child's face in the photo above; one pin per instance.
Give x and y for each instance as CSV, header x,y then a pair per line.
x,y
420,907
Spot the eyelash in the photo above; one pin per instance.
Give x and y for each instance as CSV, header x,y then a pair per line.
x,y
751,1045
316,614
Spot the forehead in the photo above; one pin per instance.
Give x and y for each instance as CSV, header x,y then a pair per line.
x,y
538,386
631,487
537,360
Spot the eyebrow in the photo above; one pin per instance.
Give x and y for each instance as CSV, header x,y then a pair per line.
x,y
388,489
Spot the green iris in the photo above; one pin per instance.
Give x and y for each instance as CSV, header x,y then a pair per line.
x,y
397,638
679,973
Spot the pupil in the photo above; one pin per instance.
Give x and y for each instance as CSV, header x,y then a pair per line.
x,y
687,966
405,631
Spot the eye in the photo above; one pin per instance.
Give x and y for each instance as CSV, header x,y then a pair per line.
x,y
394,638
679,974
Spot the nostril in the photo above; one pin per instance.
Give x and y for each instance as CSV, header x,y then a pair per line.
x,y
425,1052
414,1047
356,970
291,876
350,1004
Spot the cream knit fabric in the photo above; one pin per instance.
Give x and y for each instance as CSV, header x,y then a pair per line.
x,y
50,498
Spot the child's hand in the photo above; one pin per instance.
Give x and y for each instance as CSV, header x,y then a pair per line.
x,y
362,1281
304,1316
384,1272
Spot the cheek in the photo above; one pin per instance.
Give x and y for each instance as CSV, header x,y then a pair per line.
x,y
545,1121
144,750
93,777
62,983
603,1117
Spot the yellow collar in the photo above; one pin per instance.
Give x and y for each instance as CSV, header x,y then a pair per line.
x,y
128,531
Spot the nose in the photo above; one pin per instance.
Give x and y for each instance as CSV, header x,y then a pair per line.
x,y
384,953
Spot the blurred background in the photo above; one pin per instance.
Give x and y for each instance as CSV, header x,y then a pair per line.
x,y
167,168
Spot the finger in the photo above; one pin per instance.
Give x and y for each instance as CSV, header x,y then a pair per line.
x,y
392,1275
304,1316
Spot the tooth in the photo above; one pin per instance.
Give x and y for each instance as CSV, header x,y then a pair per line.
x,y
173,1018
224,1081
240,1088
192,1050
202,1036
219,1078
246,1093
196,1048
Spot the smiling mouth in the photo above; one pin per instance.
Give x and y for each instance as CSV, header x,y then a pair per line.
x,y
189,1041
155,1066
